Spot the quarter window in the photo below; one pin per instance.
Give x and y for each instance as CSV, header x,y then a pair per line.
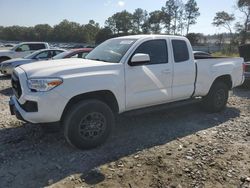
x,y
156,49
35,47
180,50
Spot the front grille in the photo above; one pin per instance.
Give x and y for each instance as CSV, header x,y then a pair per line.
x,y
16,85
248,68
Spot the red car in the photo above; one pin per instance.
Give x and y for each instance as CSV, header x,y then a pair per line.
x,y
74,53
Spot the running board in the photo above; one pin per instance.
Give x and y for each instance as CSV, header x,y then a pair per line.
x,y
162,107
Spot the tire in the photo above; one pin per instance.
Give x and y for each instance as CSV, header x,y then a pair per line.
x,y
217,98
2,59
88,124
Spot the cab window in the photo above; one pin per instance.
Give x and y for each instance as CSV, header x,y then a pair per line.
x,y
180,51
156,49
35,47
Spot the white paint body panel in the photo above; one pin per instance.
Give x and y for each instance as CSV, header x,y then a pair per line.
x,y
133,87
14,54
210,69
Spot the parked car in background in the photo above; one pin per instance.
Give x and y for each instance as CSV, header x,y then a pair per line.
x,y
9,45
247,74
8,66
120,75
201,54
244,51
74,53
22,50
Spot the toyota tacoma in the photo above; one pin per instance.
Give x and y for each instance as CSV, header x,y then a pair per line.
x,y
120,75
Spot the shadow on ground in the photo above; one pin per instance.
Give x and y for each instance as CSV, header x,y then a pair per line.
x,y
6,92
4,77
31,158
242,92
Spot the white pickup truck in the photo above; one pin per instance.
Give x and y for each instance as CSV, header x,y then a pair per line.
x,y
120,75
21,50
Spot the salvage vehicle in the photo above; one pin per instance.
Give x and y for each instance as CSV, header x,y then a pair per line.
x,y
124,74
22,50
8,66
245,53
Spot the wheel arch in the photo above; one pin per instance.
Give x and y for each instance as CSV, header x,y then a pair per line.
x,y
5,57
105,96
227,79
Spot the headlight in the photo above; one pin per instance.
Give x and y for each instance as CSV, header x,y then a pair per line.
x,y
44,84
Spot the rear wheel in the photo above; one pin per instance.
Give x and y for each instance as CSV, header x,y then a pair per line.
x,y
88,124
217,97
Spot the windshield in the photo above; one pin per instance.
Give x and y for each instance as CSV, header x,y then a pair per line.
x,y
30,56
111,50
62,55
14,47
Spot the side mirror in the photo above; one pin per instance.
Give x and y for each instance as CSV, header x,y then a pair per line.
x,y
139,59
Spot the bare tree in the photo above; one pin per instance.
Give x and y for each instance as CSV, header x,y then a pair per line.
x,y
173,16
139,18
244,7
224,19
191,13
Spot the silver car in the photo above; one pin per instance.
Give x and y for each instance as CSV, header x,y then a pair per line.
x,y
8,66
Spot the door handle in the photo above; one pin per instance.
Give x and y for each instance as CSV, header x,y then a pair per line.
x,y
166,71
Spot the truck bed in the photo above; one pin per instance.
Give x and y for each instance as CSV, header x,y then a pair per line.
x,y
210,68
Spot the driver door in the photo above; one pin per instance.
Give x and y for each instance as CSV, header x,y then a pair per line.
x,y
150,83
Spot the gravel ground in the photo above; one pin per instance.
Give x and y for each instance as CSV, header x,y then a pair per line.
x,y
182,147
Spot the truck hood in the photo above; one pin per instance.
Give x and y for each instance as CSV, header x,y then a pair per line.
x,y
64,67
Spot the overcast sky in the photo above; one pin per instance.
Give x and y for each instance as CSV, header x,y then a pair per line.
x,y
32,12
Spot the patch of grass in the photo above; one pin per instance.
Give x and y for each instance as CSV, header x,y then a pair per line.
x,y
221,54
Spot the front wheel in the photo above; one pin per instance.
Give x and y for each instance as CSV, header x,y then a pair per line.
x,y
217,98
2,59
88,124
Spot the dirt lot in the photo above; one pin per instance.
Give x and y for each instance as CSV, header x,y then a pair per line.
x,y
182,147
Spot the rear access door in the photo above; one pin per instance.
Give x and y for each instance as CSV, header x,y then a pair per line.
x,y
184,69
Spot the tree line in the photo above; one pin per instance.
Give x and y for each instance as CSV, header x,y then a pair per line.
x,y
175,17
65,31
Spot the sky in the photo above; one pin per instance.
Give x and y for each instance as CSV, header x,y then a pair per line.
x,y
32,12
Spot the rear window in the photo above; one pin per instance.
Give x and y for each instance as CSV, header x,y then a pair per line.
x,y
180,51
37,46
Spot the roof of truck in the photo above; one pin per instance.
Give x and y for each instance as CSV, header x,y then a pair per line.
x,y
147,36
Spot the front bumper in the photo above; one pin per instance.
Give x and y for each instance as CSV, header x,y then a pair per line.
x,y
13,110
36,107
49,109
